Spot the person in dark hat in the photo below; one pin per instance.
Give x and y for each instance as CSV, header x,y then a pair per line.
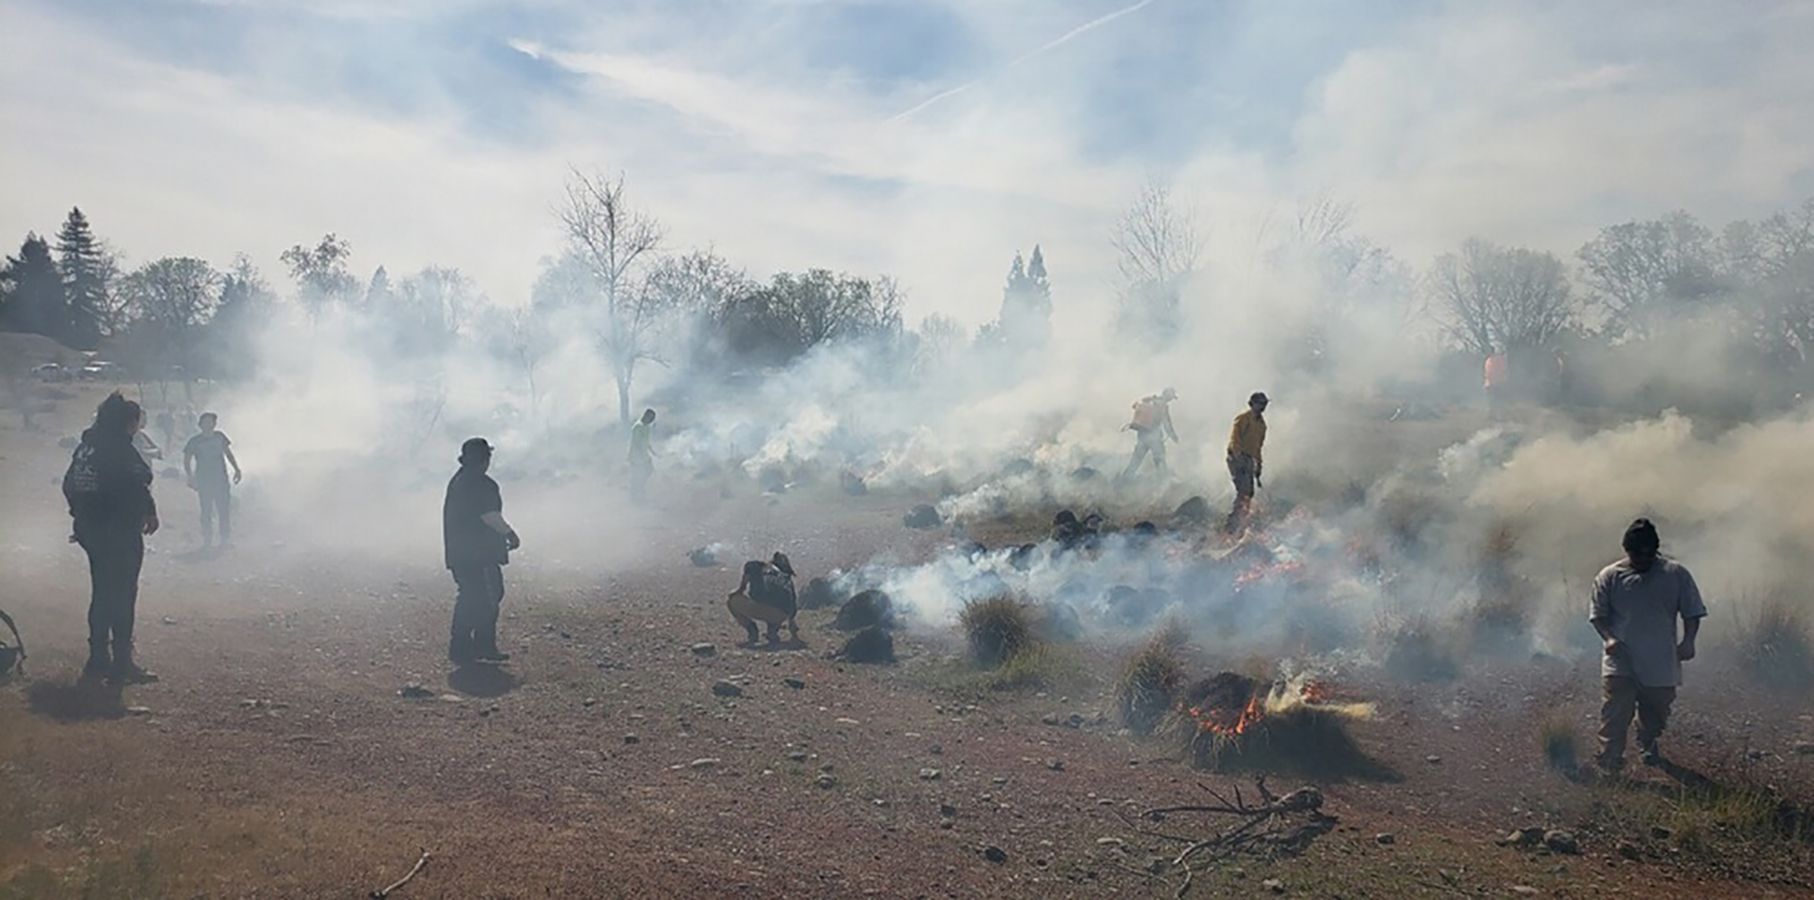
x,y
477,543
1246,441
1636,603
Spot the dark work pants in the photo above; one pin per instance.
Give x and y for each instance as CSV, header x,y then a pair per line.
x,y
1619,698
475,617
113,572
217,500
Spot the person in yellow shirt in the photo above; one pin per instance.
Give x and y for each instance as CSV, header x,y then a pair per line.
x,y
1246,441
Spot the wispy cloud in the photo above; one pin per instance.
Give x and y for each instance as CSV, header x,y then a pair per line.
x,y
1052,44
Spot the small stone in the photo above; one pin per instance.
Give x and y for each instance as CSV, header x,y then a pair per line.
x,y
169,621
797,755
1432,759
936,750
589,701
1050,719
1559,841
724,688
704,649
1629,850
995,854
1525,889
827,767
1661,833
1110,842
1056,765
1522,837
999,779
1074,720
826,781
706,762
794,683
1385,838
1274,885
947,810
632,739
138,710
414,691
930,774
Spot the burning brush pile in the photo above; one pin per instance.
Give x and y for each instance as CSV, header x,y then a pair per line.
x,y
1232,722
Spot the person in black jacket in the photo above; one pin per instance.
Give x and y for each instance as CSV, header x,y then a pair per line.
x,y
477,542
766,595
108,486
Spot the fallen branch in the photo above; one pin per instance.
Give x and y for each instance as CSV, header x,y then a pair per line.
x,y
1271,826
421,863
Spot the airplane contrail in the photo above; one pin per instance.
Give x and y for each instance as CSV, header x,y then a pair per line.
x,y
1062,39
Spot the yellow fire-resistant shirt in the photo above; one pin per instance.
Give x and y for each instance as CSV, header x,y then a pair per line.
x,y
1248,435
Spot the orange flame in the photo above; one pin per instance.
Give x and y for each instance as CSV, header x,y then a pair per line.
x,y
1228,723
1316,692
1262,571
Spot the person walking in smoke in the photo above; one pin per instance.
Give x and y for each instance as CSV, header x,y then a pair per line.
x,y
477,544
1636,602
108,486
1246,441
1151,425
642,455
205,460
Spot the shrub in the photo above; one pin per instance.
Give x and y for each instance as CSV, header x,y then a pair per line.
x,y
998,629
1148,685
1774,638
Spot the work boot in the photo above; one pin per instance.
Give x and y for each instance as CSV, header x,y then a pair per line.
x,y
774,634
100,662
1649,755
125,671
491,654
754,635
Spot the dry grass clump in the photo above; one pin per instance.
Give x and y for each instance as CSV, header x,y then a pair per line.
x,y
1148,685
1561,745
998,629
1773,633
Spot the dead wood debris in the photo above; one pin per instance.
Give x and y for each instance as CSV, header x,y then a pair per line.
x,y
421,863
1274,826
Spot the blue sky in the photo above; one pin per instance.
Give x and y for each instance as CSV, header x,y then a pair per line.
x,y
926,139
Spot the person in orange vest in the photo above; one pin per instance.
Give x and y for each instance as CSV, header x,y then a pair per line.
x,y
1498,370
1246,443
1151,425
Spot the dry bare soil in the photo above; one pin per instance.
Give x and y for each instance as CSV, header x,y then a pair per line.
x,y
276,758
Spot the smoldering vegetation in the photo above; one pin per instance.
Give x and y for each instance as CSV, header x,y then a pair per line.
x,y
1402,524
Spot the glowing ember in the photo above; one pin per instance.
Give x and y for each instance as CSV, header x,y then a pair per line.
x,y
1315,692
1261,572
1227,722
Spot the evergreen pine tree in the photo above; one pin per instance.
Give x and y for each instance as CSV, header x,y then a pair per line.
x,y
87,271
35,300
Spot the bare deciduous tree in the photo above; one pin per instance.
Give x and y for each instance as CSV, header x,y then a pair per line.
x,y
1159,249
1493,298
617,243
1640,272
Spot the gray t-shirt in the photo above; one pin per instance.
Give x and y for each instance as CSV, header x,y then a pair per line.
x,y
1640,609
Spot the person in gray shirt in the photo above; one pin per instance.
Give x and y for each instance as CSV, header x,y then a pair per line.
x,y
1636,602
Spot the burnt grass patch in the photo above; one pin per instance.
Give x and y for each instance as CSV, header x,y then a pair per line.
x,y
1228,725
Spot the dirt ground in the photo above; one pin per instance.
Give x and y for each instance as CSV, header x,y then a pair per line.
x,y
277,759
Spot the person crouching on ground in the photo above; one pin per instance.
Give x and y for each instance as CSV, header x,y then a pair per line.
x,y
1635,605
478,543
766,594
108,486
